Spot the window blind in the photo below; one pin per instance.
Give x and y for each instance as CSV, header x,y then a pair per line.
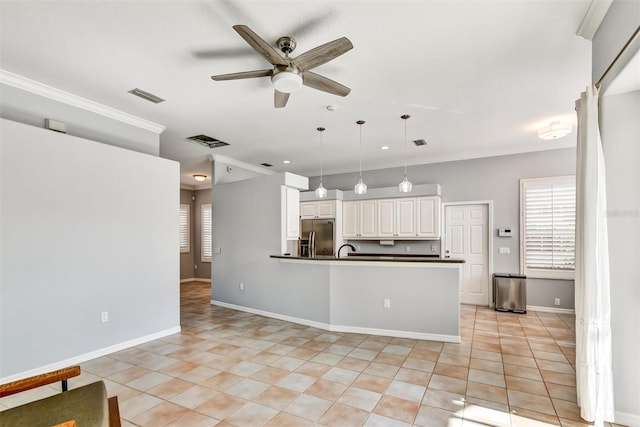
x,y
206,233
185,235
549,219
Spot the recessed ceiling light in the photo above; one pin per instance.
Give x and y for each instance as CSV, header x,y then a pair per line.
x,y
286,162
384,147
332,107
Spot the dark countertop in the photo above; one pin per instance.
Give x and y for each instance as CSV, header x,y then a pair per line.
x,y
376,258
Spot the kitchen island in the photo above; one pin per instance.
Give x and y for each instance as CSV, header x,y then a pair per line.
x,y
400,296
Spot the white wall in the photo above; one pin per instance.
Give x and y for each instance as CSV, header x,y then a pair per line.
x,y
620,130
85,227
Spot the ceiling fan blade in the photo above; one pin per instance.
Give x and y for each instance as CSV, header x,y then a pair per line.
x,y
324,84
280,99
243,75
323,54
260,46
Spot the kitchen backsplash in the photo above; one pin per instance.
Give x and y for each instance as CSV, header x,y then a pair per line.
x,y
414,247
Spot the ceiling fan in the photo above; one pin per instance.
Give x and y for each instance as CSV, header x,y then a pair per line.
x,y
289,74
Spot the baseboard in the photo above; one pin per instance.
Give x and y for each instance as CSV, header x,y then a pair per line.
x,y
91,355
341,328
195,279
551,309
627,419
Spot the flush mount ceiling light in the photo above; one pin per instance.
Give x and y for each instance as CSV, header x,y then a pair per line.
x,y
321,192
555,130
384,147
360,187
199,177
287,81
405,186
286,162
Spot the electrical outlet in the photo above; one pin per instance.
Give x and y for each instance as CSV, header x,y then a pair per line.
x,y
386,303
242,286
358,247
195,267
433,248
556,301
407,248
104,317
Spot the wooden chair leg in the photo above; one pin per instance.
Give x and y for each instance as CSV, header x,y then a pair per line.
x,y
114,412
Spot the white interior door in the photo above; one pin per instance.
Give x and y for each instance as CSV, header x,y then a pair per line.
x,y
467,237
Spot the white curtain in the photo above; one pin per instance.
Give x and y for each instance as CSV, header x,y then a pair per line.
x,y
593,309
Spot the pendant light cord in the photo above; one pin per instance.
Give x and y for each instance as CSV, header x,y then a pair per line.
x,y
320,129
405,117
360,122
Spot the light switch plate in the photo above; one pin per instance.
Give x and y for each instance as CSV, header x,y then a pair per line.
x,y
505,251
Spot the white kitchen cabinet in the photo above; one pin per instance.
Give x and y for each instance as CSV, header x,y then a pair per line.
x,y
405,220
387,218
314,210
396,218
359,219
428,217
292,212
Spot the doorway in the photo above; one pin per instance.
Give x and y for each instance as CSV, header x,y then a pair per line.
x,y
466,236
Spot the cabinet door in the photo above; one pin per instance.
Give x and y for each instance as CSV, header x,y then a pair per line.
x,y
293,213
326,209
428,220
308,210
405,217
387,218
350,219
368,223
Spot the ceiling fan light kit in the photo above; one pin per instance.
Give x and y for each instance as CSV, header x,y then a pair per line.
x,y
287,81
289,74
405,186
555,130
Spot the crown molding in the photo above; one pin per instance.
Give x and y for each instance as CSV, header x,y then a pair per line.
x,y
32,86
233,162
593,18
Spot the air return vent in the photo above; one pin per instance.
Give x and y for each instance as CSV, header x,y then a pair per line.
x,y
420,142
146,95
266,165
207,141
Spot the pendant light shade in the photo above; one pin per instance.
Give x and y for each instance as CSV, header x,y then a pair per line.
x,y
405,186
321,192
360,187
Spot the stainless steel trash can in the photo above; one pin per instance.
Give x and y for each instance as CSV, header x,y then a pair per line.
x,y
510,292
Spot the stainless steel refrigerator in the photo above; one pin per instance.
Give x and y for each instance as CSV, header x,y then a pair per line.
x,y
323,231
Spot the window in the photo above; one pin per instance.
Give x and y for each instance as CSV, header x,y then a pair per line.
x,y
185,234
206,251
547,227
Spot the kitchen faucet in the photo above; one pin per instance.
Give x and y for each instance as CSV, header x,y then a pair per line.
x,y
346,244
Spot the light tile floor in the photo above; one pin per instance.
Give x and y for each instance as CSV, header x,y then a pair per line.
x,y
230,368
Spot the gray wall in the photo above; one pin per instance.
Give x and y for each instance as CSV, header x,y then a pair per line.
x,y
81,234
620,129
25,107
246,228
187,258
492,178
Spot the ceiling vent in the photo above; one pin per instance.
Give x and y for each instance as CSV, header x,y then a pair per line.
x,y
420,142
146,95
266,165
207,141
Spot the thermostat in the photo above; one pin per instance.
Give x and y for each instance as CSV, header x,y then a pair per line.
x,y
504,232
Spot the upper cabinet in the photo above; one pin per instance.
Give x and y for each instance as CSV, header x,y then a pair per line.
x,y
428,217
291,211
402,218
359,219
313,210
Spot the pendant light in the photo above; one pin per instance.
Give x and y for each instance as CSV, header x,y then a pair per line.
x,y
360,187
405,186
321,192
